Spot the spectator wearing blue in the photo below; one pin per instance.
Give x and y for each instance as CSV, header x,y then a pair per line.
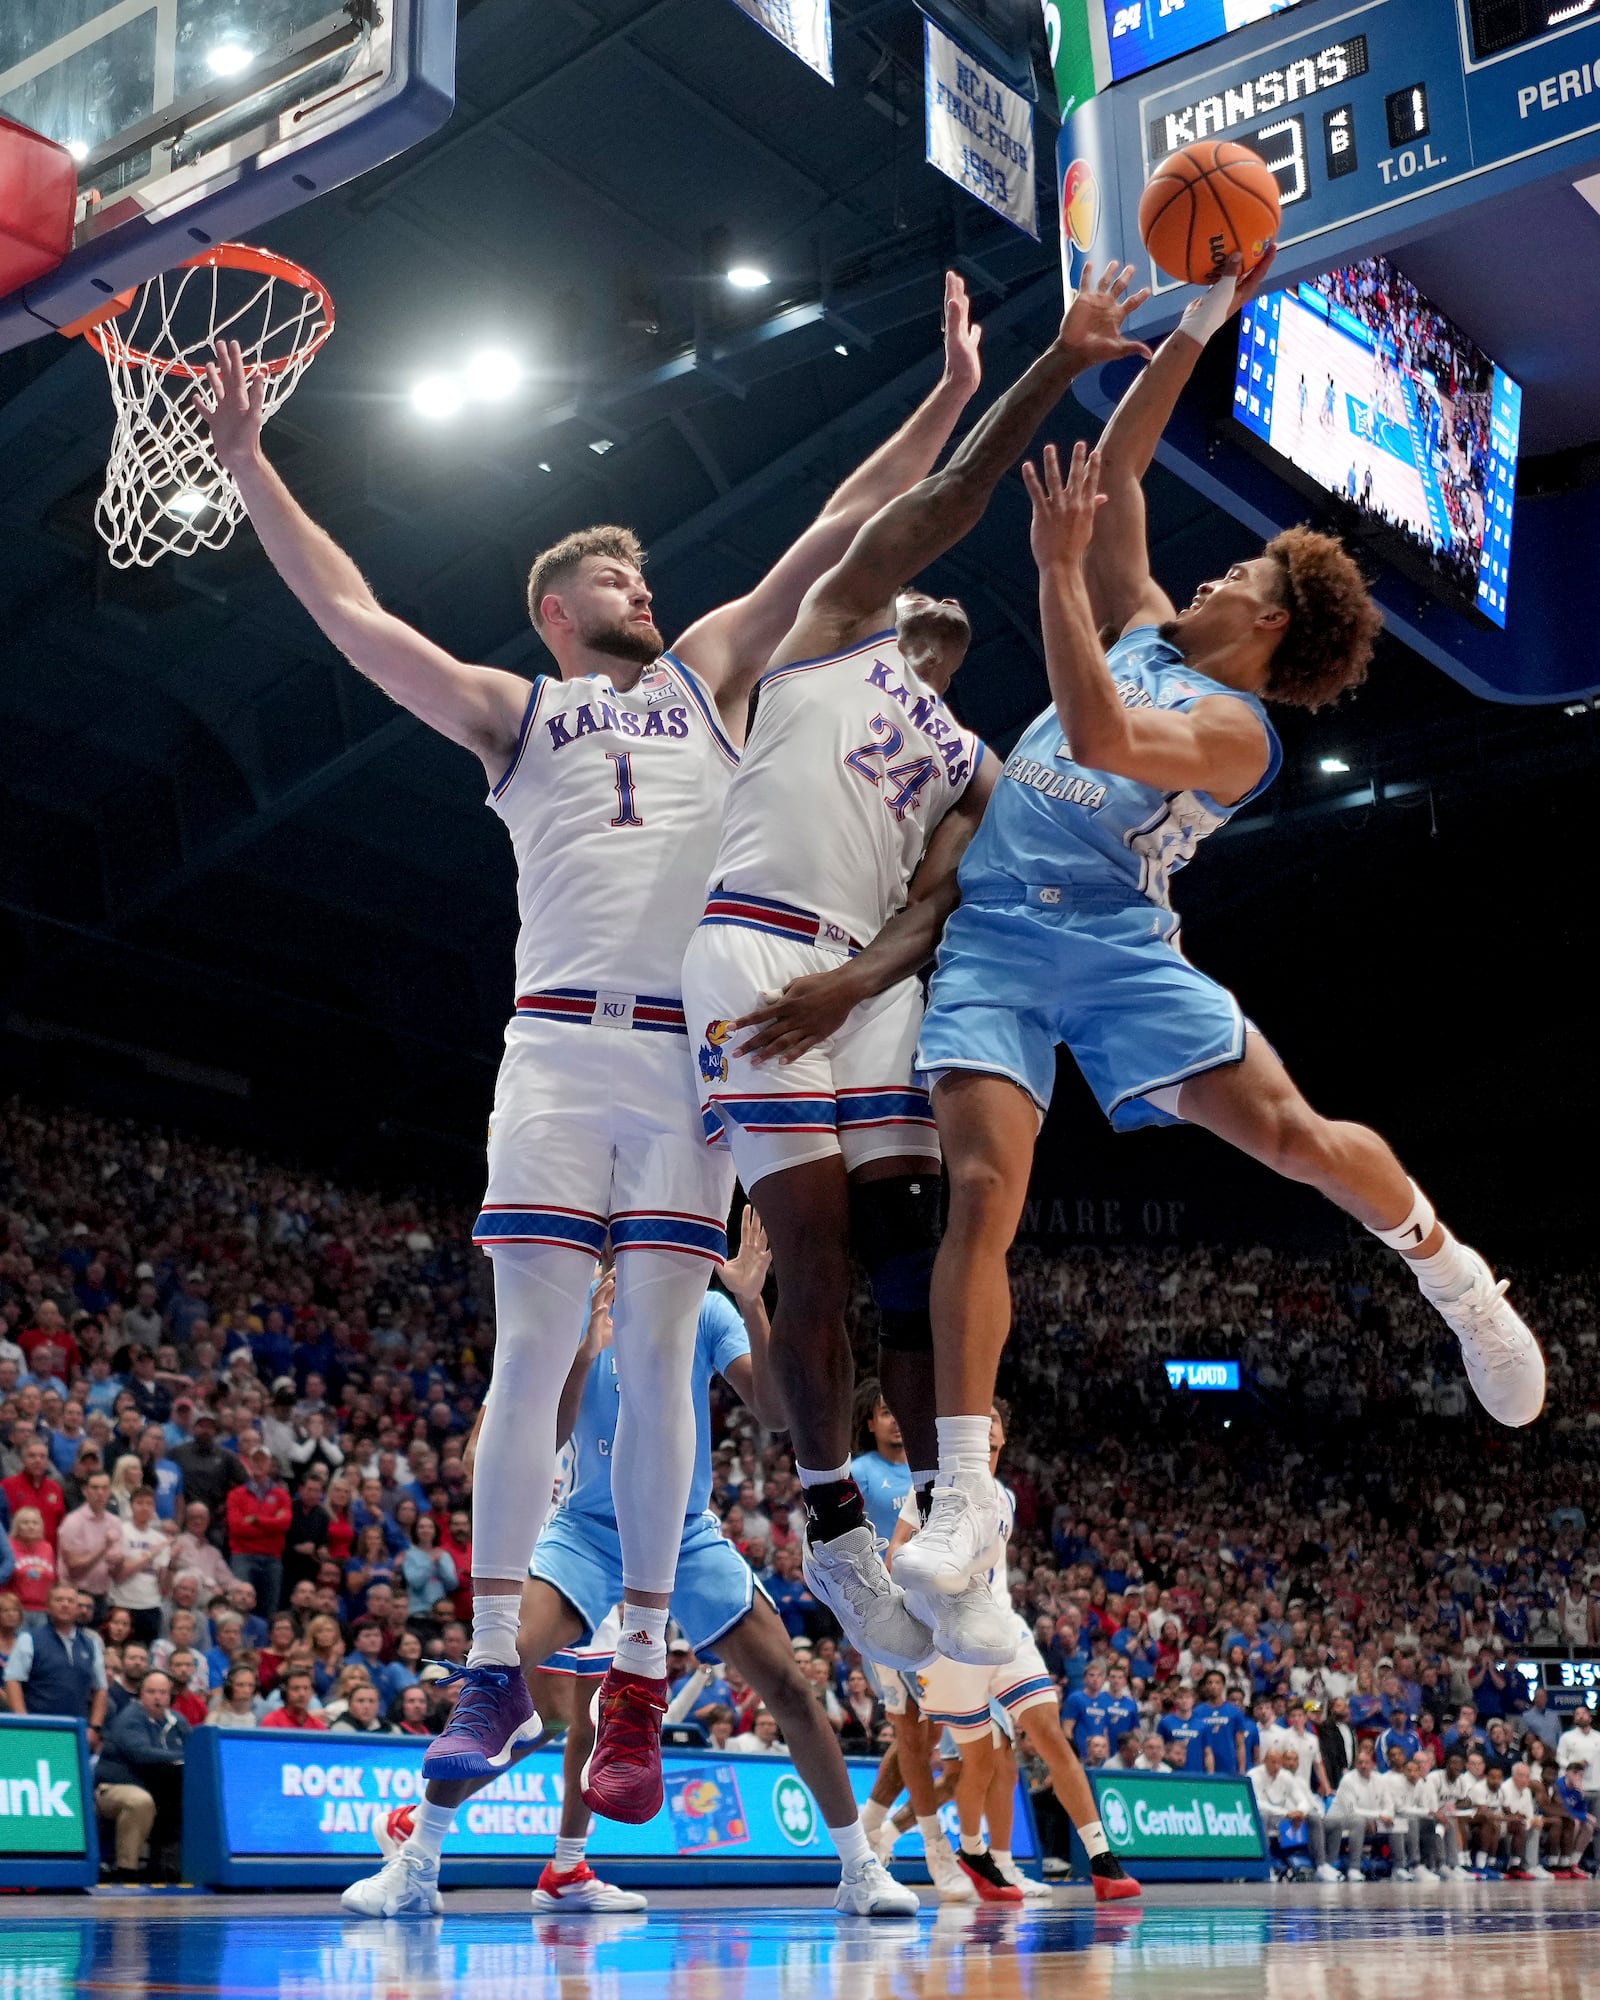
x,y
1540,1719
8,1559
1464,1734
139,1778
272,1348
367,1639
1122,1711
67,1439
881,1471
148,1392
1576,1826
179,1427
701,1685
1181,1726
427,1570
369,1563
1083,1714
1492,1693
368,1511
1398,1734
1067,1656
162,1474
787,1589
1222,1728
227,1629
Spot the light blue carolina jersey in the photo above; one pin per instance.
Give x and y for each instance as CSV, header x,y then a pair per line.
x,y
719,1341
1054,823
884,1485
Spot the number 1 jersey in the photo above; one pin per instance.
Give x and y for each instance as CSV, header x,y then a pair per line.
x,y
613,801
851,765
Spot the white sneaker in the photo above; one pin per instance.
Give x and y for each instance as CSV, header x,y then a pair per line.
x,y
961,1536
1034,1890
871,1891
1328,1873
884,1842
583,1889
1354,1879
848,1575
1504,1362
1540,1873
1423,1873
952,1885
1399,1874
969,1626
407,1885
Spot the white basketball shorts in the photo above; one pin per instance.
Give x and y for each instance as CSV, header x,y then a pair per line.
x,y
596,1130
855,1094
958,1696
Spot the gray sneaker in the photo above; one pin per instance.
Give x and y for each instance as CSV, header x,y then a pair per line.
x,y
848,1575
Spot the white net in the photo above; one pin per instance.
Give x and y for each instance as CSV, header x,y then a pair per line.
x,y
165,493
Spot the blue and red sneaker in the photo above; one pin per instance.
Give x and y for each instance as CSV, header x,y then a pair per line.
x,y
494,1714
622,1778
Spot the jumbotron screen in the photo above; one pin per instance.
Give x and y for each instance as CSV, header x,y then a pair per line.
x,y
1143,33
1371,393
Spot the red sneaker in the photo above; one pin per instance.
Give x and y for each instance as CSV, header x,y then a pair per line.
x,y
1112,1888
582,1889
622,1778
983,1872
394,1829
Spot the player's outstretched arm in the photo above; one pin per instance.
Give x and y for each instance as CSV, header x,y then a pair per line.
x,y
901,539
480,708
750,1375
1216,746
730,646
1122,591
816,1005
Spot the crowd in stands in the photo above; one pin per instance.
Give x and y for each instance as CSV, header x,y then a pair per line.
x,y
233,1409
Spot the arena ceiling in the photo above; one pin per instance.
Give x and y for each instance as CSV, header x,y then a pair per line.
x,y
225,859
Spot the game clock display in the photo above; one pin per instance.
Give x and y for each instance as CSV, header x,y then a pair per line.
x,y
1578,1680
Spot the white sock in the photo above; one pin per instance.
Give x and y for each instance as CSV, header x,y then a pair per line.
x,y
932,1835
495,1618
810,1475
569,1852
1447,1273
429,1825
1002,1859
1415,1228
851,1841
642,1649
963,1445
1093,1836
872,1817
973,1843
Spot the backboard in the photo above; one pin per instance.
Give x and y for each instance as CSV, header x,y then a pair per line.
x,y
193,121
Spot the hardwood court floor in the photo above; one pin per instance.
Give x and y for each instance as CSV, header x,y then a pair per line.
x,y
1189,1943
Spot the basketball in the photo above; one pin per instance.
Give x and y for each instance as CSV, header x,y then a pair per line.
x,y
1202,204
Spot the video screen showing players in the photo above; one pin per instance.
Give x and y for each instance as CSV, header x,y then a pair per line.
x,y
1142,33
1366,388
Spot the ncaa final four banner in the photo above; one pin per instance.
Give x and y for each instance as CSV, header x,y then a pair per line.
x,y
980,132
805,28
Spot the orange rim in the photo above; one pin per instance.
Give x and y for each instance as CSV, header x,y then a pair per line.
x,y
232,257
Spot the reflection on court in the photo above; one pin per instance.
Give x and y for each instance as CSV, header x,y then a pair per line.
x,y
1200,1944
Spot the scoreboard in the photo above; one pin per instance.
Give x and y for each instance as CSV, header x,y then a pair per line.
x,y
1377,118
1571,1683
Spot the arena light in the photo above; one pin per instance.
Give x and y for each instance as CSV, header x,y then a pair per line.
x,y
436,396
1332,765
840,348
187,503
748,277
78,150
600,446
228,59
491,375
1575,708
545,465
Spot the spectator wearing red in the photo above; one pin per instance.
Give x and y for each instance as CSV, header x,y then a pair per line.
x,y
36,1485
50,1329
259,1513
296,1712
33,1575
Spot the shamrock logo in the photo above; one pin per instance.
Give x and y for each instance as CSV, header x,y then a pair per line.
x,y
795,1813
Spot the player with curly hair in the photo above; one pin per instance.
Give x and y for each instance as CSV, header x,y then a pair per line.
x,y
1065,934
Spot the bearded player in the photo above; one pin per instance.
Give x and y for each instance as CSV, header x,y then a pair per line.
x,y
610,776
834,871
1065,934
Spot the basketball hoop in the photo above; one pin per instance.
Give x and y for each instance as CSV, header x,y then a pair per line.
x,y
165,492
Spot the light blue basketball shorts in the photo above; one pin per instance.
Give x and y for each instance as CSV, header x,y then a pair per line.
x,y
1106,978
582,1558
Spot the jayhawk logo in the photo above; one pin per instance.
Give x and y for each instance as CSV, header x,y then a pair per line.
x,y
713,1063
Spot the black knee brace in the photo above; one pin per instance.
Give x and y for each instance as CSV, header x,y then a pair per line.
x,y
894,1233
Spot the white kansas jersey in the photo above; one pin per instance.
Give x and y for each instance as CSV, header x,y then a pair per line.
x,y
613,801
851,765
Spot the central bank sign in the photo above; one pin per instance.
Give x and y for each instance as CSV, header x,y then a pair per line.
x,y
1152,1817
41,1792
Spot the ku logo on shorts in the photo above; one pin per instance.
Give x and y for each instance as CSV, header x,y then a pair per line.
x,y
713,1063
